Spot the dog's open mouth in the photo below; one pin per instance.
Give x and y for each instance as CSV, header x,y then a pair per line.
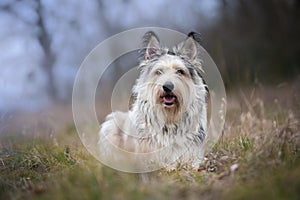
x,y
169,100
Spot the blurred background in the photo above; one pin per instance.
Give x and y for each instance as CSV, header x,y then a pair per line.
x,y
43,43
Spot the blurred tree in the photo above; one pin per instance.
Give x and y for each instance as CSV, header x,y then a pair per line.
x,y
45,41
22,81
257,40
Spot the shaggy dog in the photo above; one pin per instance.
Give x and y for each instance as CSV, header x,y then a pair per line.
x,y
169,110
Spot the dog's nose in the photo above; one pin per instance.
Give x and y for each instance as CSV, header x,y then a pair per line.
x,y
168,87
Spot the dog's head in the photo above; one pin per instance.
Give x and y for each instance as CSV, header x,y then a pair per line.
x,y
170,80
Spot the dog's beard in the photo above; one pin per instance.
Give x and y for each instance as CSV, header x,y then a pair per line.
x,y
168,105
172,106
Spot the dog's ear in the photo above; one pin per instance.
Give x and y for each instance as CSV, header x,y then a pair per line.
x,y
189,47
151,45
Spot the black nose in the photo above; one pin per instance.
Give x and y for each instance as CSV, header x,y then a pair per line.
x,y
168,87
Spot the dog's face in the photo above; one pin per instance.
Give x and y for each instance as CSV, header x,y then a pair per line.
x,y
170,83
170,80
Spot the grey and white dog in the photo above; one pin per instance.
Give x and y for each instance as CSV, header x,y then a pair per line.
x,y
170,106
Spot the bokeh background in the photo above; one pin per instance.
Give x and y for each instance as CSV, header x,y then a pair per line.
x,y
43,43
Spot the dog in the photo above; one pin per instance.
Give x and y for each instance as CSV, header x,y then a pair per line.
x,y
169,109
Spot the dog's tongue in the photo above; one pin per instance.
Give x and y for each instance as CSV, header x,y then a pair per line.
x,y
169,99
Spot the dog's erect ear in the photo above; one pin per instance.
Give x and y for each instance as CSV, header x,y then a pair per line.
x,y
151,45
190,46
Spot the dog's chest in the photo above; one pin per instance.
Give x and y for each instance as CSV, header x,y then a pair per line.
x,y
168,134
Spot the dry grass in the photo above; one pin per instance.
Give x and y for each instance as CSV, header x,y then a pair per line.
x,y
257,157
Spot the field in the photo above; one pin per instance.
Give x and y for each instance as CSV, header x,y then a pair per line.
x,y
257,157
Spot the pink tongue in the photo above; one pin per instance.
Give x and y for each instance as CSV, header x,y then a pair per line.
x,y
169,99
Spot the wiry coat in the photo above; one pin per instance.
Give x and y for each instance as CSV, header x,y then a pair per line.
x,y
156,120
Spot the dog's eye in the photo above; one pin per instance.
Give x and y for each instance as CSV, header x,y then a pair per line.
x,y
158,72
180,72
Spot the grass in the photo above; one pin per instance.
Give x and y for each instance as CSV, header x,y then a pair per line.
x,y
256,158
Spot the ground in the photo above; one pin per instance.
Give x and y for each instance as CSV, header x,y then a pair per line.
x,y
257,157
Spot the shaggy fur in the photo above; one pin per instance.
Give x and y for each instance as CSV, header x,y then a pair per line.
x,y
169,107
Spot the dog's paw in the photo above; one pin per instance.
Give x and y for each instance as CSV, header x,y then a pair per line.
x,y
195,166
171,168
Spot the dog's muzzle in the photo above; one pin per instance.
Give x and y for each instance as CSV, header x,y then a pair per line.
x,y
168,98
